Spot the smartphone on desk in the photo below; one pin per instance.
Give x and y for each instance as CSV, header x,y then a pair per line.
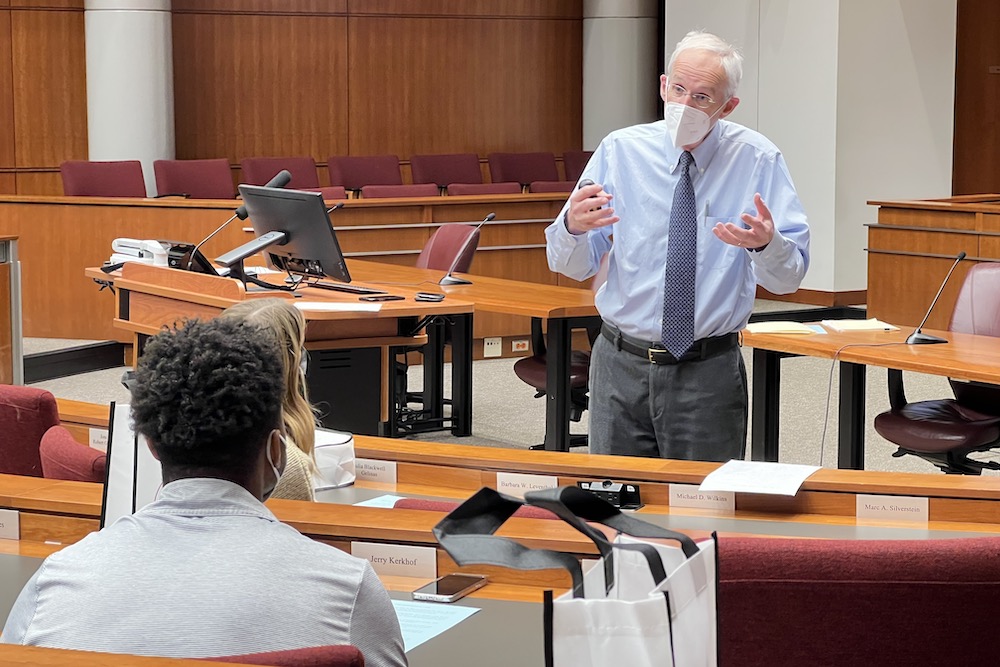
x,y
428,296
450,587
381,297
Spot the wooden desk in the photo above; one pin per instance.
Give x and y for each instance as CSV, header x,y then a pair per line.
x,y
62,236
65,511
561,308
965,357
19,656
150,298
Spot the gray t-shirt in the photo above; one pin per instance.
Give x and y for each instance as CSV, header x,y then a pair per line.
x,y
205,570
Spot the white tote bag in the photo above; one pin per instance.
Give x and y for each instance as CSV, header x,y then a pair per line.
x,y
637,621
646,604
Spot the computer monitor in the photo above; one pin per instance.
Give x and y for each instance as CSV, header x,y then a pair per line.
x,y
310,247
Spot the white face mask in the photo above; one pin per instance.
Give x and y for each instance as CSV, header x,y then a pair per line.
x,y
687,125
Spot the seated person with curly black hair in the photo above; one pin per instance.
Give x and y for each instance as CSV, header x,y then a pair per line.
x,y
206,570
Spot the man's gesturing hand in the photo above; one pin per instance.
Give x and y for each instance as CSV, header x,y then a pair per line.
x,y
588,209
759,231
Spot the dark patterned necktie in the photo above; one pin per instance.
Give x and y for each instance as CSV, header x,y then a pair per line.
x,y
677,333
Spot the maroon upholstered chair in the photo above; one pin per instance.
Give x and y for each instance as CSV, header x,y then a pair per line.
x,y
355,172
260,170
945,431
443,246
524,512
445,170
416,190
343,655
484,189
523,168
551,186
574,162
65,458
83,178
25,415
198,179
533,370
878,603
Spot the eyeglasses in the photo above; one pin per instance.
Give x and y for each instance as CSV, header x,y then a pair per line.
x,y
677,92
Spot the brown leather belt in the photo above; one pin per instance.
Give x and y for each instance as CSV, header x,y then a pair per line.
x,y
655,354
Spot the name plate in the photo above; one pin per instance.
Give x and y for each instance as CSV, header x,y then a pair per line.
x,y
688,495
398,560
517,484
98,438
892,508
10,525
373,470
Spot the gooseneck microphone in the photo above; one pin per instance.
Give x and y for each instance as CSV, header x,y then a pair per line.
x,y
279,180
449,279
918,337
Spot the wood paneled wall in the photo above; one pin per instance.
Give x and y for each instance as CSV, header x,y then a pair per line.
x,y
376,77
43,92
977,98
309,77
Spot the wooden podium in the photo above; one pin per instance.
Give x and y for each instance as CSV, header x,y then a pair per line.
x,y
349,361
912,247
11,352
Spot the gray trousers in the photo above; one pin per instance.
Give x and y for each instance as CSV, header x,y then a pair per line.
x,y
694,410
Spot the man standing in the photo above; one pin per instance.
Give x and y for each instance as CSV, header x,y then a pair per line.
x,y
701,210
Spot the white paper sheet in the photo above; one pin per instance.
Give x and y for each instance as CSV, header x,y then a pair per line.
x,y
421,621
386,501
758,477
871,324
779,327
338,306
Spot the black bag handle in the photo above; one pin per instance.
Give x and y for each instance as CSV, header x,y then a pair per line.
x,y
573,504
467,533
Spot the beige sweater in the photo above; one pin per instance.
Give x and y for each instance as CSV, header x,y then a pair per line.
x,y
296,482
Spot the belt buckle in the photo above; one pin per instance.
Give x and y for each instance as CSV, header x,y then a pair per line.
x,y
650,351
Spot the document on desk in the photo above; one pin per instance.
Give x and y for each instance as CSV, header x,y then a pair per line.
x,y
870,324
338,306
387,501
780,328
421,621
782,479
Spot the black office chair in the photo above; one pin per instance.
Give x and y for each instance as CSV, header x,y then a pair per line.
x,y
451,247
945,431
533,370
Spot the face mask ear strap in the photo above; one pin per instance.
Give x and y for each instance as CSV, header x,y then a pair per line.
x,y
270,462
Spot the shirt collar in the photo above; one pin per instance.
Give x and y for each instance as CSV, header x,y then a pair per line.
x,y
703,152
202,496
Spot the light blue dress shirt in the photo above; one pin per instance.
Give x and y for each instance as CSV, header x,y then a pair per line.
x,y
638,165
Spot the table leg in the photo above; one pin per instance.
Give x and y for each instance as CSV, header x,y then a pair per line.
x,y
433,390
461,375
557,396
766,395
851,439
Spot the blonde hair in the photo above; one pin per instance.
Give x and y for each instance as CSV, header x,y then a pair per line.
x,y
287,324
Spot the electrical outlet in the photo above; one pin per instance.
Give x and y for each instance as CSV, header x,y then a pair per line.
x,y
519,346
492,347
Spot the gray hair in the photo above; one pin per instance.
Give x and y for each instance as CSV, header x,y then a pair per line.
x,y
729,57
